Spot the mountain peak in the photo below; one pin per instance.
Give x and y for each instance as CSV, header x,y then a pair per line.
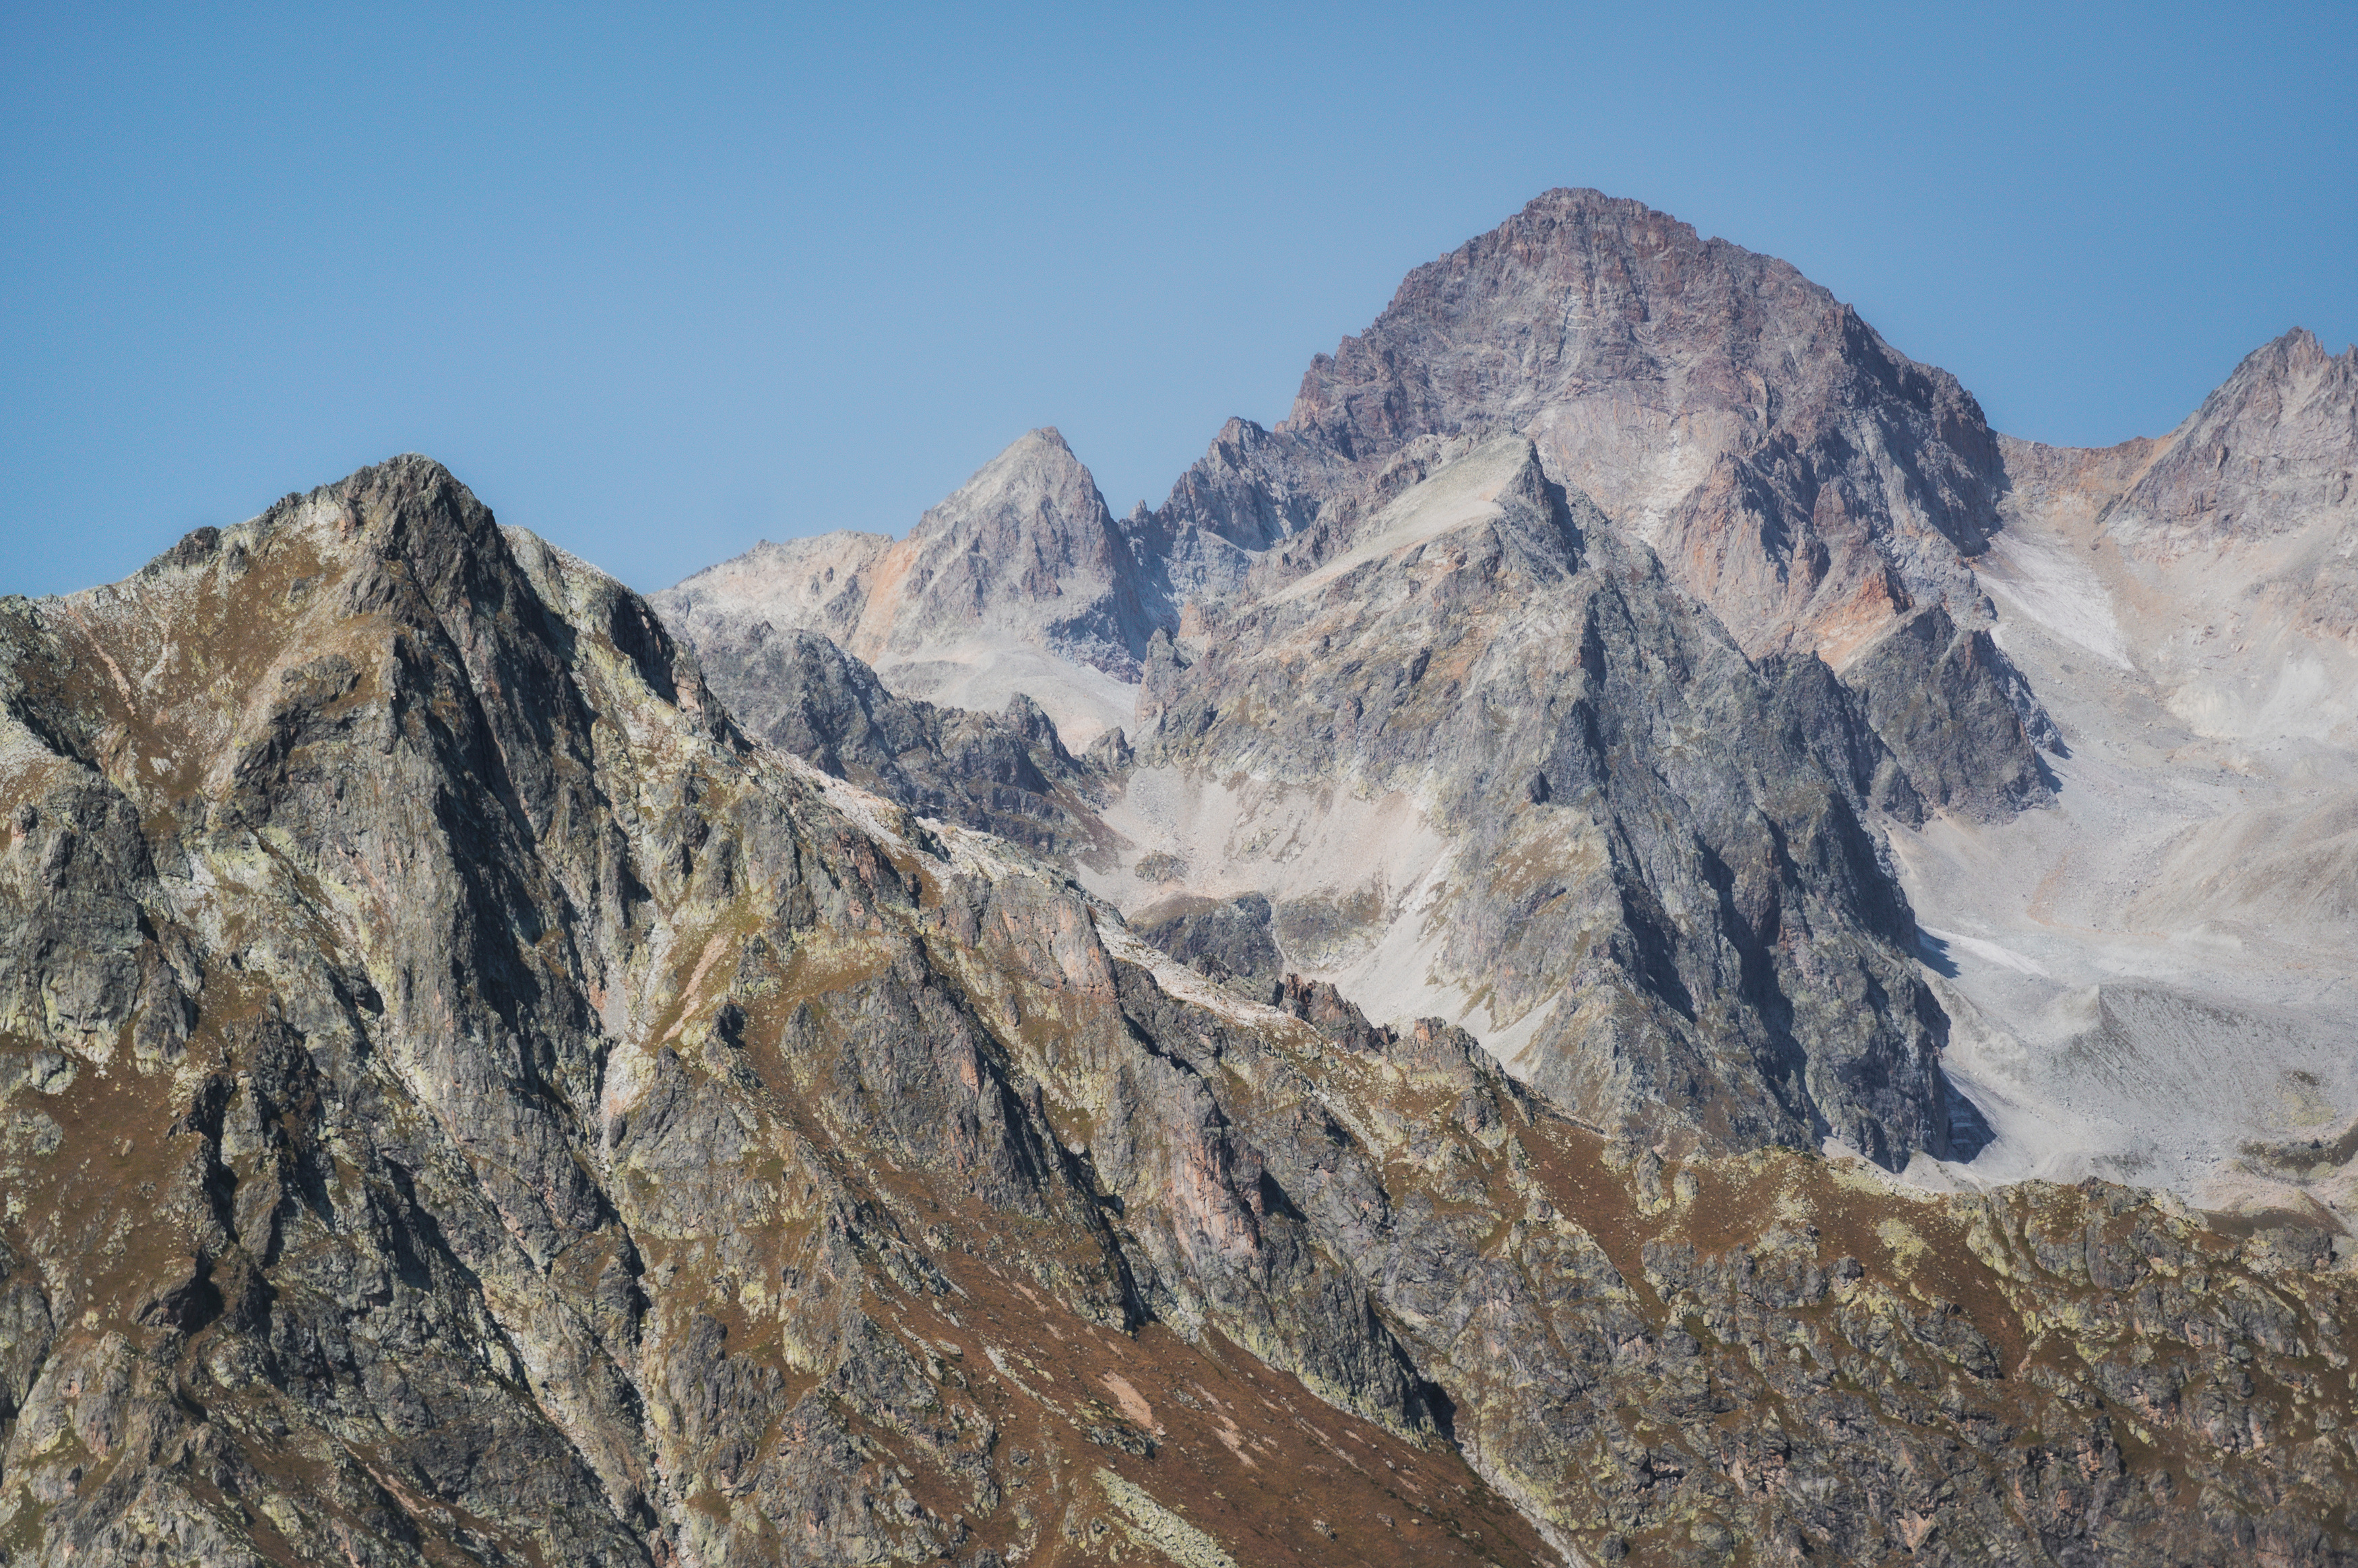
x,y
1038,471
2269,453
2298,348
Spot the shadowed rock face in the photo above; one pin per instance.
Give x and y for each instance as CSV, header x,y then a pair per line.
x,y
460,1102
1008,774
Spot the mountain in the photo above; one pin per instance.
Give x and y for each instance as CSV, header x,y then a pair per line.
x,y
2149,979
1656,991
1814,487
1672,936
2092,712
1820,491
1007,773
463,1101
1795,472
1020,581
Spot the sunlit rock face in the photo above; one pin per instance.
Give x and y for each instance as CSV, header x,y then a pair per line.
x,y
1334,1020
1020,582
1818,492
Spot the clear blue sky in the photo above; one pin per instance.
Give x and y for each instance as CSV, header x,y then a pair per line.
x,y
658,281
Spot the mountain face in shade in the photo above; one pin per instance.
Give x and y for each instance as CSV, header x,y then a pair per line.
x,y
1007,773
463,1101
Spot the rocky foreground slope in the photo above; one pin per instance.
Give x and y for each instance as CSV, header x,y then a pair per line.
x,y
463,1101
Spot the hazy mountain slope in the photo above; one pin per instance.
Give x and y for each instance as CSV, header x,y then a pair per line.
x,y
2154,977
1020,581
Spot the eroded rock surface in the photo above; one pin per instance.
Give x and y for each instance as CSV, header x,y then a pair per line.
x,y
462,1101
1691,934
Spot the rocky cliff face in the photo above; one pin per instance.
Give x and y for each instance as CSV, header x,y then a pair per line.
x,y
460,1101
1657,952
2252,504
2262,480
2269,453
1688,939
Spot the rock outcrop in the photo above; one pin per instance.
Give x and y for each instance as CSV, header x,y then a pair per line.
x,y
2269,453
461,1100
1796,473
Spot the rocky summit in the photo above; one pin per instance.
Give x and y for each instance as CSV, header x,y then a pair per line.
x,y
1630,939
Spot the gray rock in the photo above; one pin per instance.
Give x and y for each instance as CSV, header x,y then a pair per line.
x,y
575,1133
1650,866
1007,775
